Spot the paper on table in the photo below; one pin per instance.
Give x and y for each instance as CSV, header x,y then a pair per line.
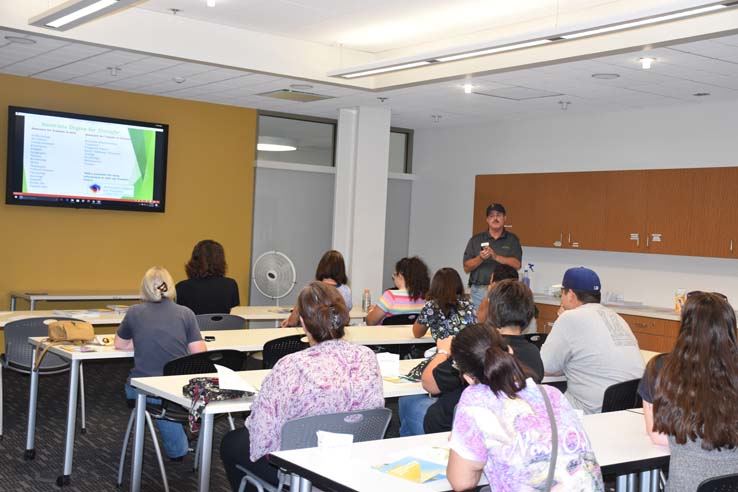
x,y
229,379
389,364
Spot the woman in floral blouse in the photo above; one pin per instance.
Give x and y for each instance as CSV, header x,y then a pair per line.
x,y
446,310
332,375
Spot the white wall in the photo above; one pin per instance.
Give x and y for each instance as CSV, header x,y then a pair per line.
x,y
691,135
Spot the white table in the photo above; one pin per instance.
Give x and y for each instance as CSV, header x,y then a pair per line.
x,y
618,439
242,340
34,297
276,313
94,318
170,388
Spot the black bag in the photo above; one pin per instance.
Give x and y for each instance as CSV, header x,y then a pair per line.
x,y
204,390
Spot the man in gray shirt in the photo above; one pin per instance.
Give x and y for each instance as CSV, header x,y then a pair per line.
x,y
486,250
589,343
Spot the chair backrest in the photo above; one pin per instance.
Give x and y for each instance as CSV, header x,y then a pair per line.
x,y
622,396
400,319
217,321
204,362
276,349
365,425
724,483
536,339
19,353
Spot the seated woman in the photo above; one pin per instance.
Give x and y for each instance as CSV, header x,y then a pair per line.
x,y
446,310
160,331
330,376
332,271
502,425
412,280
690,396
511,308
206,289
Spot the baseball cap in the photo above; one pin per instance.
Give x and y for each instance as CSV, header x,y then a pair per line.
x,y
580,278
496,207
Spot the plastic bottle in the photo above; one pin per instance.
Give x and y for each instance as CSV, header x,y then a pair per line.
x,y
366,300
526,274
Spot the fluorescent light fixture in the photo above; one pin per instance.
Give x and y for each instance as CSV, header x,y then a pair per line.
x,y
491,51
554,38
276,144
392,68
468,88
644,22
210,3
75,12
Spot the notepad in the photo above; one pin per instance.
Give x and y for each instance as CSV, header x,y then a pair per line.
x,y
229,379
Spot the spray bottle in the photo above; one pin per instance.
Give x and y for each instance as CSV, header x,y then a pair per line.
x,y
526,274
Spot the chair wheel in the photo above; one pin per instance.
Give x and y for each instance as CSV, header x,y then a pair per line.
x,y
83,430
63,480
29,454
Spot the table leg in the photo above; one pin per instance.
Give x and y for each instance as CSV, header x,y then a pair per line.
x,y
65,478
206,451
32,399
32,302
305,485
138,443
12,303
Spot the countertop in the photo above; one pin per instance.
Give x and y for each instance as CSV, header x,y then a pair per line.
x,y
642,310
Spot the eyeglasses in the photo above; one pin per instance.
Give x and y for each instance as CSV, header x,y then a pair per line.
x,y
695,292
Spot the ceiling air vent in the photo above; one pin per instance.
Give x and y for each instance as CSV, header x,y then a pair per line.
x,y
296,96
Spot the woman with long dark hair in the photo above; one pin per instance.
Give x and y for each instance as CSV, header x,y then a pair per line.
x,y
412,280
690,396
207,290
446,310
502,425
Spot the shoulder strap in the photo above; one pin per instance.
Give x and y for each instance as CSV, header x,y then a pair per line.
x,y
554,439
46,344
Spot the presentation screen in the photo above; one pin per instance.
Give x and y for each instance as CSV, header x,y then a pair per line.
x,y
77,161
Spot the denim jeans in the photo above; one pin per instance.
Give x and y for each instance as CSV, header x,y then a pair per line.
x,y
412,412
477,293
172,434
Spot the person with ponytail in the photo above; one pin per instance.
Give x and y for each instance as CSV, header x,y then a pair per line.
x,y
690,396
502,425
330,376
161,330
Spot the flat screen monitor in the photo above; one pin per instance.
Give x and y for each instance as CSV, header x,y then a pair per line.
x,y
71,160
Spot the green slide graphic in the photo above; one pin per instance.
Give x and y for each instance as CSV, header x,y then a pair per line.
x,y
144,142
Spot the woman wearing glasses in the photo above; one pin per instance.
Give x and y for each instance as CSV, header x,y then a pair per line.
x,y
690,396
161,330
503,424
412,280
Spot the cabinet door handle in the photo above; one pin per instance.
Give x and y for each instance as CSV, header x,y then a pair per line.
x,y
731,245
570,239
648,236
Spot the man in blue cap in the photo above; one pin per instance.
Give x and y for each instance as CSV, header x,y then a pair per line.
x,y
490,248
589,343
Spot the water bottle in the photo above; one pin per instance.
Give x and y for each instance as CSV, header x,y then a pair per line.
x,y
366,300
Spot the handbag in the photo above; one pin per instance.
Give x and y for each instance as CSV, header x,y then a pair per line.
x,y
203,390
65,332
554,440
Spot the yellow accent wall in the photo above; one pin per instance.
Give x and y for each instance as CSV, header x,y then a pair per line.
x,y
209,195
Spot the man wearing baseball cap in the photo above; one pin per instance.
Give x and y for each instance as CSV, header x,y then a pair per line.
x,y
486,250
589,343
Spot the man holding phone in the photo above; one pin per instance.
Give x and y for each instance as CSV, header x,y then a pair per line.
x,y
486,250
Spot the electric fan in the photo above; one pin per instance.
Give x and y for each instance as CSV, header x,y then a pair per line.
x,y
274,275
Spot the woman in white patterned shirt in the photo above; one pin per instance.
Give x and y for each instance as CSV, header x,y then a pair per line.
x,y
330,376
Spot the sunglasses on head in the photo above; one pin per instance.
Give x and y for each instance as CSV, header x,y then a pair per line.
x,y
695,292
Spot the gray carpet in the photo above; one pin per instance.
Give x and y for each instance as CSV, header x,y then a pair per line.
x,y
96,452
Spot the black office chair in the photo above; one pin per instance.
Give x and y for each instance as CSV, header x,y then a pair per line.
x,y
622,396
400,319
200,363
724,483
536,339
414,351
276,349
218,321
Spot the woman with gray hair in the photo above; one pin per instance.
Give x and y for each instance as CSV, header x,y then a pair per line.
x,y
160,330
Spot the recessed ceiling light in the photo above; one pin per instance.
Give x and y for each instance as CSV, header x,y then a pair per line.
x,y
605,76
179,79
210,3
301,87
468,88
646,62
701,94
19,40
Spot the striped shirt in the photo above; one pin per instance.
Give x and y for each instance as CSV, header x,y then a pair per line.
x,y
397,301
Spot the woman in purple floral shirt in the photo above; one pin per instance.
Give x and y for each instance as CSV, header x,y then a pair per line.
x,y
502,428
330,376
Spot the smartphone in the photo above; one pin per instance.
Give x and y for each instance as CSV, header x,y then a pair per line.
x,y
209,338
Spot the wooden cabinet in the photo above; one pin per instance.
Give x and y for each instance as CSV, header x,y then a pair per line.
x,y
547,315
658,335
691,212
